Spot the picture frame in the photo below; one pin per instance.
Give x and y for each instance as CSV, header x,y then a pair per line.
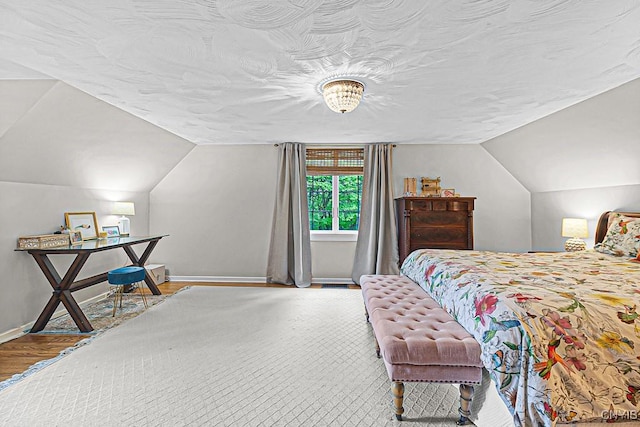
x,y
84,222
448,192
111,230
75,237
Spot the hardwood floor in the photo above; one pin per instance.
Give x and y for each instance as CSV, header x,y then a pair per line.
x,y
18,354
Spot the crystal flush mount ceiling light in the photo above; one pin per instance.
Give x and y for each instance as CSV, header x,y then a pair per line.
x,y
342,96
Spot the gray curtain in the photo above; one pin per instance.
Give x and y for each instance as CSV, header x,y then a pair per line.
x,y
377,246
289,260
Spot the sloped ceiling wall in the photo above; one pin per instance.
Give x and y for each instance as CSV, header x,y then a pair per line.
x,y
593,144
54,134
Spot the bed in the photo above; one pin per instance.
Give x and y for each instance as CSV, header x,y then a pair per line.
x,y
560,332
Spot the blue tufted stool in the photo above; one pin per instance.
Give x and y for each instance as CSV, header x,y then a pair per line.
x,y
121,277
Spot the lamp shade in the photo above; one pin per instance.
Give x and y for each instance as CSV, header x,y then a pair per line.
x,y
123,208
574,227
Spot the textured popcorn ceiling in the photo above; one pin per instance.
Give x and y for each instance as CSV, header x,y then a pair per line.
x,y
248,71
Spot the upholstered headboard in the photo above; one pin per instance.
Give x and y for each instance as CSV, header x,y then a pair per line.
x,y
601,228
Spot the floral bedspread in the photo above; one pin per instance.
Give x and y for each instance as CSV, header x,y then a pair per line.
x,y
558,331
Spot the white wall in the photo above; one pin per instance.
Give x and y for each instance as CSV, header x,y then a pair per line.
x,y
332,260
217,205
502,216
579,162
29,209
593,144
59,135
549,208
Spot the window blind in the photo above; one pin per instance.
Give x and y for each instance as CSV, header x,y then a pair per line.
x,y
335,161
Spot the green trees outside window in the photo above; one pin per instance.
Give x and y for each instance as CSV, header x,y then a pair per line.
x,y
334,202
320,197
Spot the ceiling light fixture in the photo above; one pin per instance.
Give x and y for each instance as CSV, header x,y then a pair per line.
x,y
342,96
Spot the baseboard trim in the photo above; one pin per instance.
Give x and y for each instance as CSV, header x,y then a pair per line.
x,y
333,281
217,279
20,331
239,279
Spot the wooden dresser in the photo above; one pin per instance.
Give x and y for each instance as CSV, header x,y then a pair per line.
x,y
434,222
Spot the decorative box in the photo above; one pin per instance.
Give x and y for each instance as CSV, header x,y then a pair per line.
x,y
43,241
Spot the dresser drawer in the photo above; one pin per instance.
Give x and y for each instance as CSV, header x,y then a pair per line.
x,y
441,204
439,237
443,218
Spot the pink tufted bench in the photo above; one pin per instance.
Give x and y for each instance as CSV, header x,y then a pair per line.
x,y
418,340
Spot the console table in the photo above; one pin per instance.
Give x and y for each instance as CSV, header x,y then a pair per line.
x,y
63,286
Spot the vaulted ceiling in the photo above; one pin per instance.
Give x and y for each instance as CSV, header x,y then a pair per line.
x,y
220,72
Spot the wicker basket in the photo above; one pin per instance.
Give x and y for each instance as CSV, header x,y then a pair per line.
x,y
43,241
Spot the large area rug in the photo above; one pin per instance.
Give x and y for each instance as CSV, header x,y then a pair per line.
x,y
100,315
227,356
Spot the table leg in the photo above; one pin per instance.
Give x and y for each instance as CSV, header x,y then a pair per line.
x,y
46,314
141,261
75,311
61,292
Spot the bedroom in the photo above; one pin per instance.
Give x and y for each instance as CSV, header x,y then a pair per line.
x,y
566,147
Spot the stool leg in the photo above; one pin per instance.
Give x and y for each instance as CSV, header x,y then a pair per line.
x,y
466,393
397,391
116,294
113,312
144,298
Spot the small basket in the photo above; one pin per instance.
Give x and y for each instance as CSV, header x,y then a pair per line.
x,y
43,241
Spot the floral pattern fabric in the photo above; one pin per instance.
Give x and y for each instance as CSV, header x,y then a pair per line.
x,y
623,236
558,331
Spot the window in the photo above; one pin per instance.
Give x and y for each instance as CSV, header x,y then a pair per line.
x,y
334,189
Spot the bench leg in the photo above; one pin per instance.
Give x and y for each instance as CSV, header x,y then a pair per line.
x,y
366,313
466,393
397,391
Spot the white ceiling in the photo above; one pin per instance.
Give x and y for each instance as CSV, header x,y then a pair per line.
x,y
248,71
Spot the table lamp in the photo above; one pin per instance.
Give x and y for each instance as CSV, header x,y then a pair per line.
x,y
575,228
123,208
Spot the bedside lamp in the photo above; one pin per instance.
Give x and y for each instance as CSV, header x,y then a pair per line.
x,y
575,228
123,208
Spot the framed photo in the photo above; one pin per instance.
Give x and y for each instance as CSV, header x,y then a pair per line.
x,y
448,192
111,230
84,222
75,237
